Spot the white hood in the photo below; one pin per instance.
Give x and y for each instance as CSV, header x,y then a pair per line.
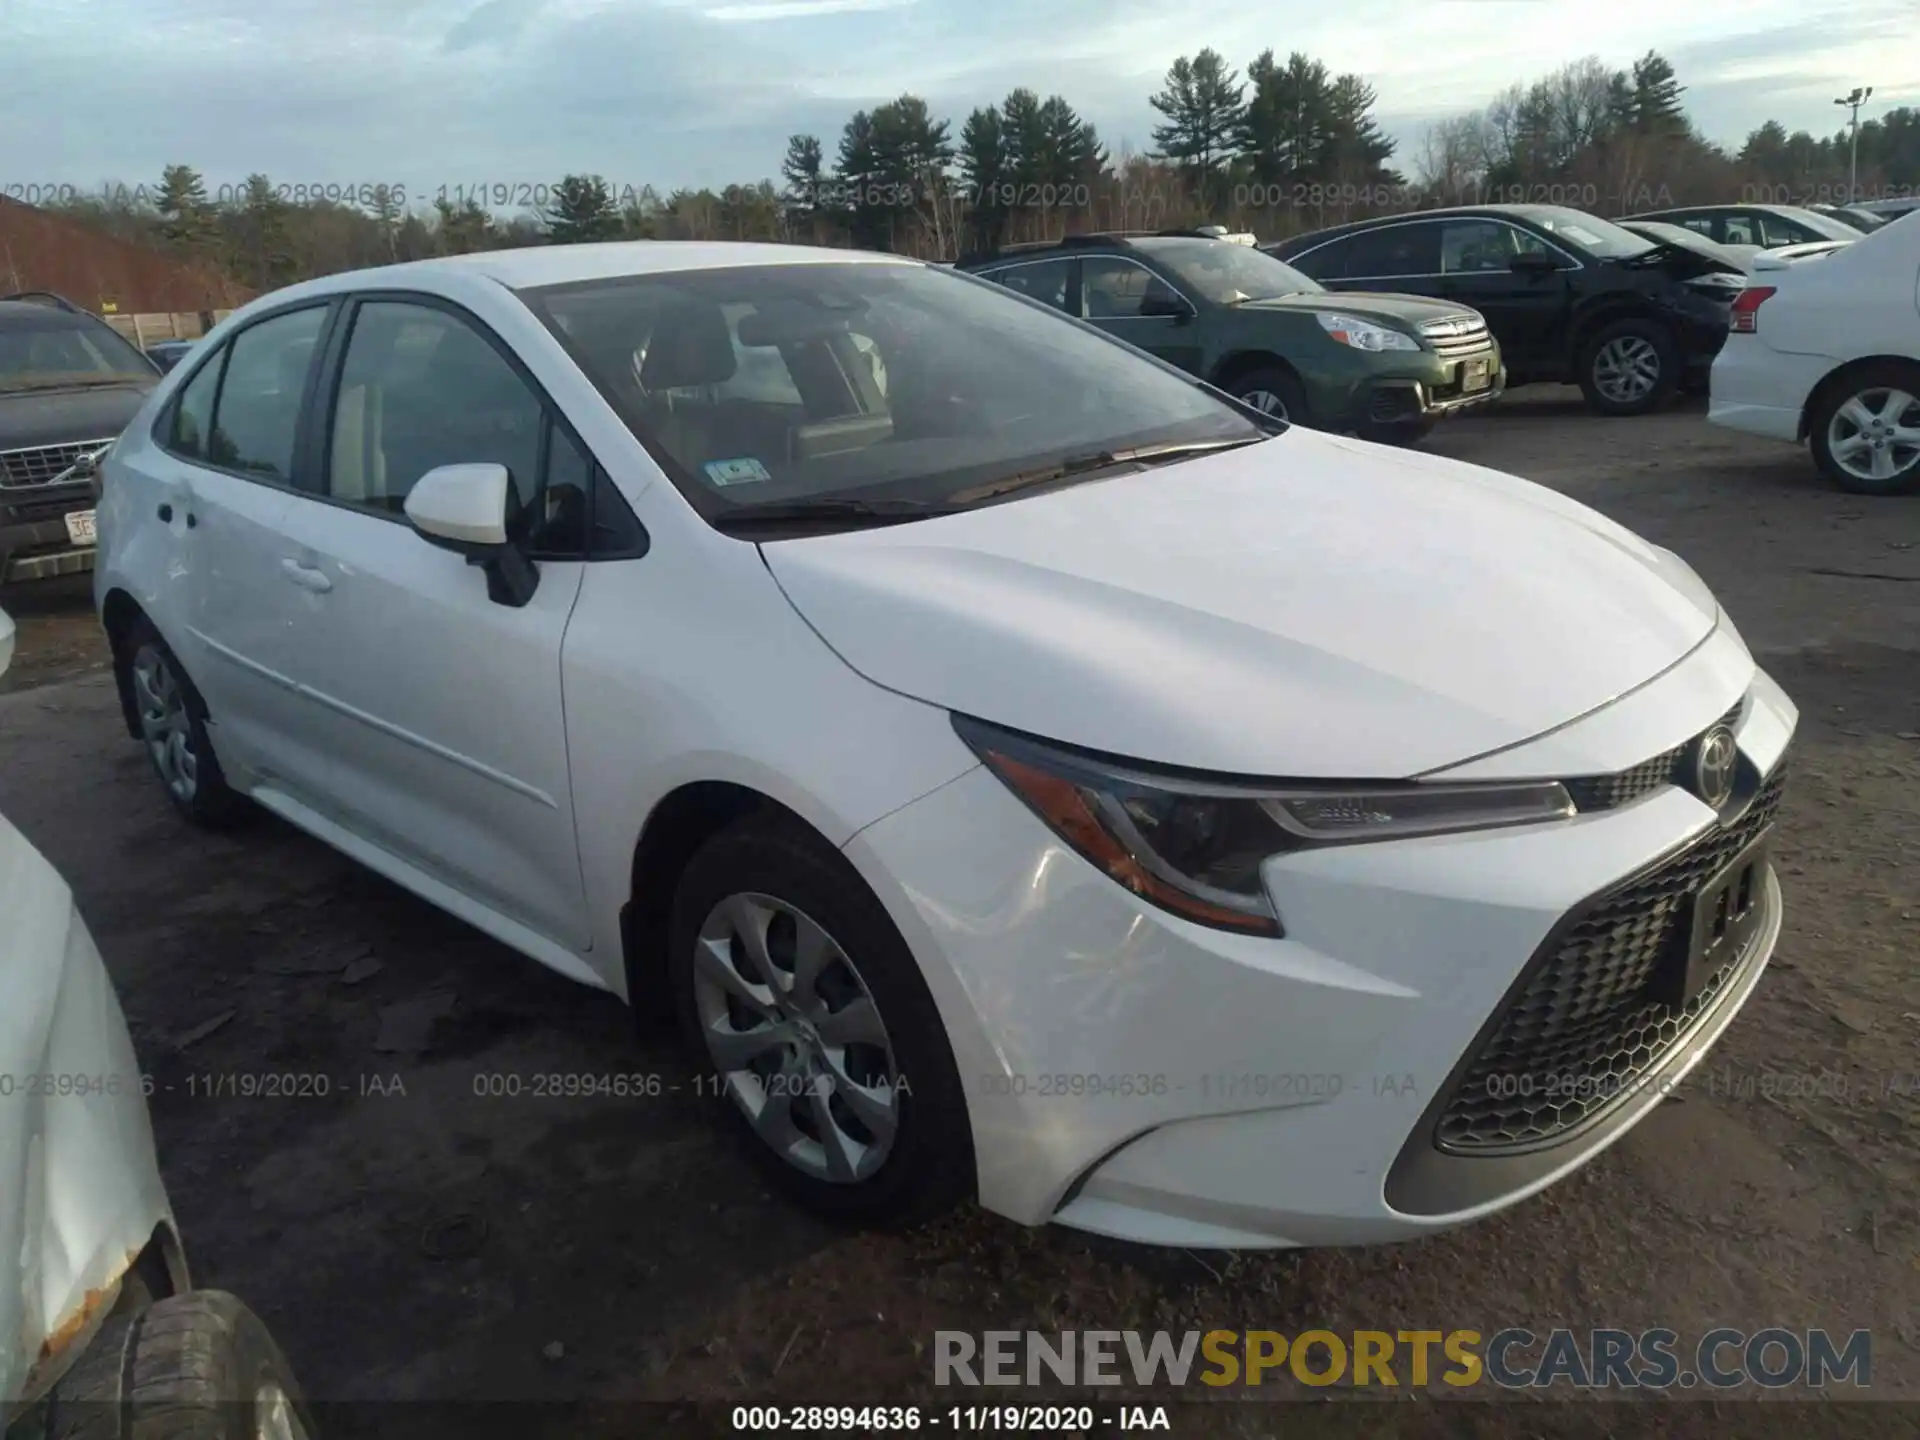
x,y
1307,607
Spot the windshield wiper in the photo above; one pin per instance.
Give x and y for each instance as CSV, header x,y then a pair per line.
x,y
1101,460
66,382
790,512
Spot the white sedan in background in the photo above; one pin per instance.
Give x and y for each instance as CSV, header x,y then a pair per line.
x,y
1026,773
1825,350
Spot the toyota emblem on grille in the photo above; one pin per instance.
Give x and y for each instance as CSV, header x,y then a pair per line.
x,y
1713,766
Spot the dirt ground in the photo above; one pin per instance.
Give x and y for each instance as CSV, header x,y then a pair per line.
x,y
409,1238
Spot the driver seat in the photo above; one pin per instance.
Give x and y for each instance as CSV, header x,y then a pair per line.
x,y
691,348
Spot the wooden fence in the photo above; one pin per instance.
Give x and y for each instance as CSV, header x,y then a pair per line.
x,y
145,330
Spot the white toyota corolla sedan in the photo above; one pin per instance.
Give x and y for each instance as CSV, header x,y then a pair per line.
x,y
1024,772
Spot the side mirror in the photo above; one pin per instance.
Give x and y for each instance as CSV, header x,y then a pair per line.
x,y
467,509
1162,305
1533,262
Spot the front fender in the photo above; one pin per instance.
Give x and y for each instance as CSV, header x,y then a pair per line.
x,y
83,1198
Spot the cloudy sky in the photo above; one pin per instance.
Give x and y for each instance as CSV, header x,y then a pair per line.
x,y
451,93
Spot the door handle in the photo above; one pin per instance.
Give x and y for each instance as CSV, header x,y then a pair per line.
x,y
166,514
306,576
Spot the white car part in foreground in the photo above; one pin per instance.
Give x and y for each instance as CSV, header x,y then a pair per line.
x,y
80,1193
96,1312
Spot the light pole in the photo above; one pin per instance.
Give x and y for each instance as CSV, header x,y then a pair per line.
x,y
1853,102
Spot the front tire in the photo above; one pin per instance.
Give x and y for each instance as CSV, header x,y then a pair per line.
x,y
173,730
1273,391
1866,432
1629,367
815,1030
199,1366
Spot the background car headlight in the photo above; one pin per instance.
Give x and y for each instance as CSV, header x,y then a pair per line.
x,y
1195,846
1364,334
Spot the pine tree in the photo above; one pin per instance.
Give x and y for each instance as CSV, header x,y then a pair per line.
x,y
461,229
1204,105
264,249
1289,123
186,217
984,176
1355,150
803,171
857,182
1656,97
582,209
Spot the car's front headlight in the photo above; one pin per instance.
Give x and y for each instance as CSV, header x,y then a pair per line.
x,y
1195,845
1364,334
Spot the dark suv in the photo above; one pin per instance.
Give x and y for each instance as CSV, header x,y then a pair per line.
x,y
68,386
1386,366
1570,296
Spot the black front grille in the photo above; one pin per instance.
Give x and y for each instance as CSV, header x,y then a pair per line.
x,y
1585,1025
1608,792
42,463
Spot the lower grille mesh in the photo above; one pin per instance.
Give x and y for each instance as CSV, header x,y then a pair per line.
x,y
1584,1026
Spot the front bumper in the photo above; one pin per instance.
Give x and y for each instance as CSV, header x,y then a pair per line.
x,y
1132,1074
34,540
1397,402
1397,388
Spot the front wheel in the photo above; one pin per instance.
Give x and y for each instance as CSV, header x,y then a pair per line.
x,y
815,1031
199,1366
1629,367
1273,391
1866,432
173,728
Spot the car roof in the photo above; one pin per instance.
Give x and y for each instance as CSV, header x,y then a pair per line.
x,y
1712,209
1443,212
1096,240
539,265
30,315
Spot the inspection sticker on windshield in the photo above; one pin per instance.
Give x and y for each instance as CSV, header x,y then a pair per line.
x,y
736,472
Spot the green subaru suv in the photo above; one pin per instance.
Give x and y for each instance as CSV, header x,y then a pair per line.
x,y
1384,366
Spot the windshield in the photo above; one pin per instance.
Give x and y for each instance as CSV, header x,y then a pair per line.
x,y
766,386
1832,227
1596,236
61,349
1226,273
1664,234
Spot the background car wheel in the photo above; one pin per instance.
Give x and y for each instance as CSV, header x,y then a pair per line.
x,y
1866,432
199,1366
807,1011
173,728
1629,367
1276,392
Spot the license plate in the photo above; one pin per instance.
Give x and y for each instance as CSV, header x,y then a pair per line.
x,y
1725,914
80,529
1476,375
